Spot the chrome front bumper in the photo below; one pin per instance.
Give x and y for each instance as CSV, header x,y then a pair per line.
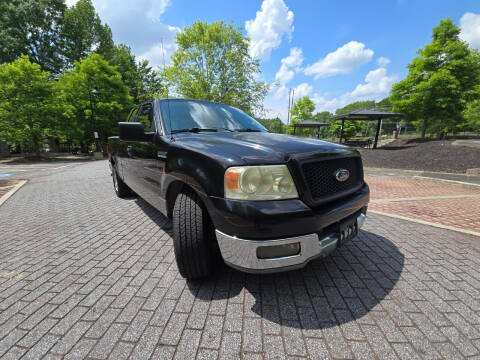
x,y
242,254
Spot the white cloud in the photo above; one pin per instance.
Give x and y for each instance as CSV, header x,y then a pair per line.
x,y
295,58
470,29
342,61
304,89
383,61
71,2
156,54
376,86
157,8
266,31
285,74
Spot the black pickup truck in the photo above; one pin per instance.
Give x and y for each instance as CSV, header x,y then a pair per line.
x,y
263,202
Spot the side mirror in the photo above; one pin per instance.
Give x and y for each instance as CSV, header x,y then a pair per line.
x,y
133,131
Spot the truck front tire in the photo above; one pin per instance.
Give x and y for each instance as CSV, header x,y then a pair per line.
x,y
121,189
192,236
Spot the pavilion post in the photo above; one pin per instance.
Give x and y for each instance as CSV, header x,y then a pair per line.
x,y
294,128
377,133
341,132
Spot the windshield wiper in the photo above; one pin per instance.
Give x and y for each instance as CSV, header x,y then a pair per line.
x,y
193,130
247,130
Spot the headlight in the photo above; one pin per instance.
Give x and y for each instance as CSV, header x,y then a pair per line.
x,y
267,182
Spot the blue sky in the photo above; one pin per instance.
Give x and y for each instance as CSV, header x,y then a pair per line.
x,y
336,52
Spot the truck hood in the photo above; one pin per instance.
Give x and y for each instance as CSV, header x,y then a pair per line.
x,y
257,147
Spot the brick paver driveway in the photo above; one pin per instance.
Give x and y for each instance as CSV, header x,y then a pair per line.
x,y
444,203
85,274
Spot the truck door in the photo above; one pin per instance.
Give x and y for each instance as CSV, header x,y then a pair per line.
x,y
145,166
122,150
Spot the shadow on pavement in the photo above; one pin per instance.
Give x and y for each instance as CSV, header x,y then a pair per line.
x,y
326,293
156,216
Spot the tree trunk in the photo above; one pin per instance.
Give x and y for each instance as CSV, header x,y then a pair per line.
x,y
424,128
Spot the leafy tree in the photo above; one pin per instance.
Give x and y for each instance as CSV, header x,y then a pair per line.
x,y
324,116
32,27
212,62
143,82
26,104
439,82
472,115
110,107
83,32
275,125
351,128
302,109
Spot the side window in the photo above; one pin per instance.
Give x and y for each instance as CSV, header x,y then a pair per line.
x,y
133,113
145,116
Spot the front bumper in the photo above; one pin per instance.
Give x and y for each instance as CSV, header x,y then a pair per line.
x,y
242,254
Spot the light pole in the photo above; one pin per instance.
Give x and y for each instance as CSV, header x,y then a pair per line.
x,y
97,152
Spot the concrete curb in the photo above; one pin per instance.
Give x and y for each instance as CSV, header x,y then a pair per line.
x,y
12,191
446,180
425,223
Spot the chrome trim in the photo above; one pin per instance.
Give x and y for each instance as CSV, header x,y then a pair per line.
x,y
361,219
242,253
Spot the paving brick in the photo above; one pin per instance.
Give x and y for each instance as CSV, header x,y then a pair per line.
x,y
173,331
147,343
105,345
102,282
252,335
188,346
69,340
212,333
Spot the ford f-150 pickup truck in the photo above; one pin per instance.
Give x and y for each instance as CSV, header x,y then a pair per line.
x,y
263,202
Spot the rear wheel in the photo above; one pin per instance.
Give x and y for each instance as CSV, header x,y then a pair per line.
x,y
121,189
193,241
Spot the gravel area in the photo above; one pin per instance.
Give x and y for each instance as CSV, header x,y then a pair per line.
x,y
434,155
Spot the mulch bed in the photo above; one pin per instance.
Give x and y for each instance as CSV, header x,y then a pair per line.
x,y
417,154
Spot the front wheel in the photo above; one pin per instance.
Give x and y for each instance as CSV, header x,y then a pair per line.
x,y
121,189
193,241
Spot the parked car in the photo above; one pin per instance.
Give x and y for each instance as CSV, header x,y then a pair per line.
x,y
263,202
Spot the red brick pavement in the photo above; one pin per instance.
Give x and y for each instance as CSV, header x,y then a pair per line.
x,y
461,212
407,187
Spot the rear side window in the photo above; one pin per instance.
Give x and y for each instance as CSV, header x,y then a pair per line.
x,y
145,116
132,115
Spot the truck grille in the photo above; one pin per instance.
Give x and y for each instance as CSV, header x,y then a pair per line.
x,y
321,180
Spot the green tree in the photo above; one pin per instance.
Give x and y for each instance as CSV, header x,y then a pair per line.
x,y
32,27
275,125
212,62
351,128
83,32
110,107
143,82
439,82
472,115
302,109
26,104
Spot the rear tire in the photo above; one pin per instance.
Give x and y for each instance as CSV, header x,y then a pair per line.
x,y
193,241
121,189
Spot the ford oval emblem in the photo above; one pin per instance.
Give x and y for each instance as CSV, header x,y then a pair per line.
x,y
342,174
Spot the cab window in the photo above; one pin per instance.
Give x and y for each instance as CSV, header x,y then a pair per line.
x,y
132,115
145,116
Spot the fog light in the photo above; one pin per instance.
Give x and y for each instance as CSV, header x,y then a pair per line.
x,y
278,251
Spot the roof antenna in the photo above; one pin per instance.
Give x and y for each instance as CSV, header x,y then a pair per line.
x,y
168,100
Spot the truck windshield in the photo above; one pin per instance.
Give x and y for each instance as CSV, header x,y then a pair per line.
x,y
194,115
